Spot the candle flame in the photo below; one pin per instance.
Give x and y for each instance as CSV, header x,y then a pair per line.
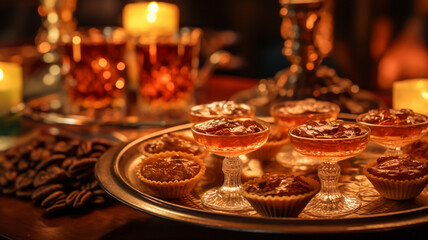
x,y
1,74
152,9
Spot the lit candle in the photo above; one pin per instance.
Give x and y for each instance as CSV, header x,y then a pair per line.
x,y
412,93
10,87
156,18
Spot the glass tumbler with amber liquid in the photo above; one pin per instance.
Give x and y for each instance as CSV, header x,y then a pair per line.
x,y
95,80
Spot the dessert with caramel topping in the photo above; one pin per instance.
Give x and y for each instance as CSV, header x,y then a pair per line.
x,y
280,195
220,109
332,140
231,137
291,113
398,177
170,174
276,141
394,128
171,142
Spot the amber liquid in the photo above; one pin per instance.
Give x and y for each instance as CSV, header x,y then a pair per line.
x,y
97,73
167,73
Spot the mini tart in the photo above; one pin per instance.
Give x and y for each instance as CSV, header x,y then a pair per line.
x,y
271,148
281,206
195,146
396,189
175,188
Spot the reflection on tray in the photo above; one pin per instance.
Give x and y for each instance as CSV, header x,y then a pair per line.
x,y
53,109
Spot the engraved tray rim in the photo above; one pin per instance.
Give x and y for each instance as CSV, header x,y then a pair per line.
x,y
107,173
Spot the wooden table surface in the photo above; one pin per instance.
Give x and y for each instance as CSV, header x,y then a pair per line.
x,y
19,219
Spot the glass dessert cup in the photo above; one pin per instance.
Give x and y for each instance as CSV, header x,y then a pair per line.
x,y
291,113
330,202
220,109
228,196
394,137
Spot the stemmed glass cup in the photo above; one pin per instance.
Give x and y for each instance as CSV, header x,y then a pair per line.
x,y
394,134
339,140
291,113
228,197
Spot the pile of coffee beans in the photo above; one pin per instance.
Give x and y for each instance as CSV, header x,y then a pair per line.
x,y
55,172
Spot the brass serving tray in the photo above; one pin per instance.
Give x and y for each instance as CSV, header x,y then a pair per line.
x,y
116,173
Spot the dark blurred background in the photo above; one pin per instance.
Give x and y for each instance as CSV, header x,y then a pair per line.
x,y
375,42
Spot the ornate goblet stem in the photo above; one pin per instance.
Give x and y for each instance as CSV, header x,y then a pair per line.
x,y
330,201
228,196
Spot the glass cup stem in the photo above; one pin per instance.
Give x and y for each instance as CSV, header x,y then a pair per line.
x,y
228,196
330,202
232,167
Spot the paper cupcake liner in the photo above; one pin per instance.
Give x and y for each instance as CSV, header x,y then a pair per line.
x,y
396,189
142,147
282,206
171,189
268,151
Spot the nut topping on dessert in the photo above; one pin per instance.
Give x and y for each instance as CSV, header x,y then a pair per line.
x,y
222,109
278,185
399,168
226,127
393,117
328,130
173,142
167,169
307,106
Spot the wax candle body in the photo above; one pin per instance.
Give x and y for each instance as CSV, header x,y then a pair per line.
x,y
10,86
412,93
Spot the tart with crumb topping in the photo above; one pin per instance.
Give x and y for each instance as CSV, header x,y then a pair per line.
x,y
172,142
280,195
170,174
398,177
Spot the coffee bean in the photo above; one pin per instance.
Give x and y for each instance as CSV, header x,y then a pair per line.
x,y
11,175
96,154
9,190
3,181
23,165
39,154
61,148
52,174
90,185
84,148
83,164
82,199
67,162
24,193
56,209
98,200
54,159
53,198
42,192
25,180
51,166
99,148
